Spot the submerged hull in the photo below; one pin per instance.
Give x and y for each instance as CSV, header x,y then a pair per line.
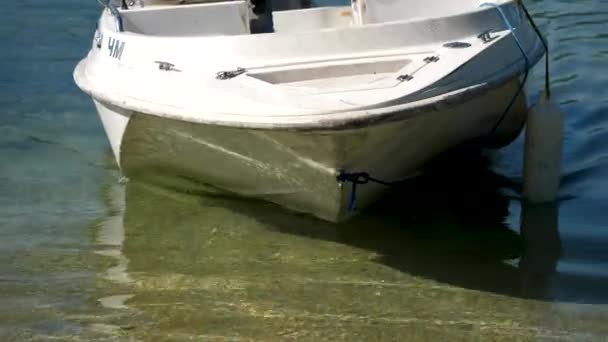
x,y
298,169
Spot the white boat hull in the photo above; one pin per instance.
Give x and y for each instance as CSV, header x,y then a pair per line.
x,y
298,169
301,115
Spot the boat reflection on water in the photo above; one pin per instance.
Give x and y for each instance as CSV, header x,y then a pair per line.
x,y
543,248
114,285
436,250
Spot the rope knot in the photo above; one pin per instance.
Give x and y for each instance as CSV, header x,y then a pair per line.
x,y
357,178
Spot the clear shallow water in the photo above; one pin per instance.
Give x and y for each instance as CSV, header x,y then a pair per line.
x,y
453,256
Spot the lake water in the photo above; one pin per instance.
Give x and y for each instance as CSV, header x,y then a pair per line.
x,y
452,257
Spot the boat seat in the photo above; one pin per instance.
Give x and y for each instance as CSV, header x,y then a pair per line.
x,y
179,2
381,11
209,18
312,19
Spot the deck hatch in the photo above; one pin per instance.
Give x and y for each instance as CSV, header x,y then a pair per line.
x,y
324,72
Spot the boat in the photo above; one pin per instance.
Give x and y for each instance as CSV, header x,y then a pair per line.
x,y
317,109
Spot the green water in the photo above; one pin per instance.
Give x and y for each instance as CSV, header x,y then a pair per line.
x,y
452,256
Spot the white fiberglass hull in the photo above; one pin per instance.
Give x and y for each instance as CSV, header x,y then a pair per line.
x,y
299,169
288,116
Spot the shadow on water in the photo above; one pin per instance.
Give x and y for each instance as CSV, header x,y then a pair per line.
x,y
447,226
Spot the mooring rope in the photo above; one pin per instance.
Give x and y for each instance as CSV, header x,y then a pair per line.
x,y
545,45
527,65
358,178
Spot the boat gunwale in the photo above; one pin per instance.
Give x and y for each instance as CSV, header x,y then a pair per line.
x,y
306,122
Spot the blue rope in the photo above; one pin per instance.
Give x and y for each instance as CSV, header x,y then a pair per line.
x,y
356,179
527,64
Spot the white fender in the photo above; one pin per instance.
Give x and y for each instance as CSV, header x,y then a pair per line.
x,y
543,152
